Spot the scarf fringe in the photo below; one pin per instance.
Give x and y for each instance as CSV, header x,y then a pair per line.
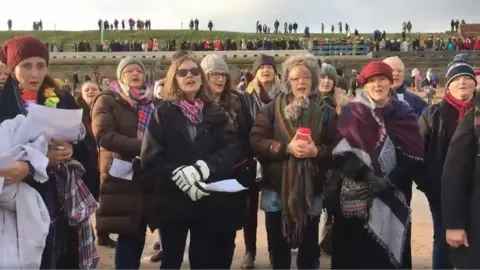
x,y
391,256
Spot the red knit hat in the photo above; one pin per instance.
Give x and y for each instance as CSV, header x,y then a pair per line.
x,y
476,71
375,68
18,49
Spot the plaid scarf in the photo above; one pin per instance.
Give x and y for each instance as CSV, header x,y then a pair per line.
x,y
78,205
375,135
297,174
141,101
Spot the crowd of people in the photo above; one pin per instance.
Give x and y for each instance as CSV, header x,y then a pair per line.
x,y
291,136
355,45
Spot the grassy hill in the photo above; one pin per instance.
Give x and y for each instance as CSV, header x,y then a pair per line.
x,y
71,37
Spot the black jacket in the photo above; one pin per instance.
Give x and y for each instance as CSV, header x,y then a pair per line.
x,y
433,127
461,192
167,145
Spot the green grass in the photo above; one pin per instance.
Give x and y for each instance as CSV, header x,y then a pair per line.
x,y
71,37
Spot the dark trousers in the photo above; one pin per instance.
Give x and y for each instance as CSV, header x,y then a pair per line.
x,y
129,250
221,245
174,237
280,249
440,252
251,220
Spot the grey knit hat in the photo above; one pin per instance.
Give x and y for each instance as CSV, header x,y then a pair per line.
x,y
307,60
329,71
129,60
213,62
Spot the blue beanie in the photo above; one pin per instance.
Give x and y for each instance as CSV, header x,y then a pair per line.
x,y
459,67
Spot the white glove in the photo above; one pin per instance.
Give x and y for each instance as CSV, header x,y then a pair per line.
x,y
197,191
189,175
203,168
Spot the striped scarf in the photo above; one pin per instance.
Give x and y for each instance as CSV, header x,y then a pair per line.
x,y
141,101
297,175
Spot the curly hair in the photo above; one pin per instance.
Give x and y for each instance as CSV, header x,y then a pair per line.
x,y
307,60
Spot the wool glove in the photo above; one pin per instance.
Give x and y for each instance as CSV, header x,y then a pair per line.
x,y
197,191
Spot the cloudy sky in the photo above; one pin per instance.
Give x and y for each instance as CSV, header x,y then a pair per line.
x,y
241,15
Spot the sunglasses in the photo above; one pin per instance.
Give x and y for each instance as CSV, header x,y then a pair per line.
x,y
184,72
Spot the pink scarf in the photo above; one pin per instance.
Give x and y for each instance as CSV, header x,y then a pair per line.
x,y
192,110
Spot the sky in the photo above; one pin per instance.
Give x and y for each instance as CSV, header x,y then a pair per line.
x,y
241,15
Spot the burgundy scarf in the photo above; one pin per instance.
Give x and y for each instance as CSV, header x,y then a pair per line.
x,y
461,106
358,126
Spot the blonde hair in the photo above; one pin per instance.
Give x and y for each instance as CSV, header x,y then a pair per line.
x,y
171,90
341,99
2,65
254,85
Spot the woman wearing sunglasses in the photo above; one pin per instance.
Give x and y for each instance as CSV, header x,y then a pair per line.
x,y
189,143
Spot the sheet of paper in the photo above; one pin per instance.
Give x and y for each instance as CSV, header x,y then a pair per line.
x,y
5,161
401,97
121,169
57,124
229,185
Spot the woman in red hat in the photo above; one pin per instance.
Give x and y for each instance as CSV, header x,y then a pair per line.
x,y
379,147
69,244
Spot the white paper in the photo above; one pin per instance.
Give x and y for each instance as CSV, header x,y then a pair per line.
x,y
5,161
59,124
229,185
121,169
401,97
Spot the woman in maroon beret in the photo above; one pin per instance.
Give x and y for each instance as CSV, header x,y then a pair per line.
x,y
379,146
69,244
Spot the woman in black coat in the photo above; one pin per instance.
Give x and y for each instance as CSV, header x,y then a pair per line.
x,y
189,143
226,219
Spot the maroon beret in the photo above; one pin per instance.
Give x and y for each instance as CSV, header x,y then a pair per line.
x,y
375,68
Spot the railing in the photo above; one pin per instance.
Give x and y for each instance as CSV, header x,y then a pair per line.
x,y
427,54
336,49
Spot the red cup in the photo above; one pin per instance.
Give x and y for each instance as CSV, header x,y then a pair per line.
x,y
303,133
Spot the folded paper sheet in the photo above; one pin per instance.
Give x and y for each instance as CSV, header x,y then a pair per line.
x,y
121,169
229,185
57,124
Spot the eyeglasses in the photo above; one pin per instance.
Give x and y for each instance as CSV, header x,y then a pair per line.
x,y
184,72
218,75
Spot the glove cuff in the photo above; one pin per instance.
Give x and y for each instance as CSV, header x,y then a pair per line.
x,y
202,168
